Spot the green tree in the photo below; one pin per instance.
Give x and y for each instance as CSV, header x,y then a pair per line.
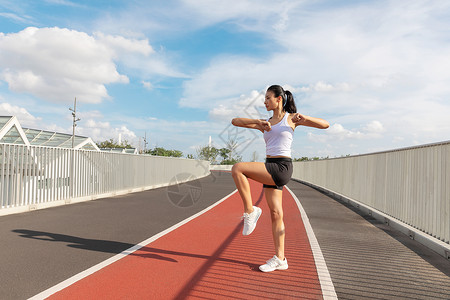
x,y
231,161
224,152
160,151
111,143
231,146
227,153
304,158
207,153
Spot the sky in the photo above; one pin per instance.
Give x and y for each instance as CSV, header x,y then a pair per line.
x,y
177,71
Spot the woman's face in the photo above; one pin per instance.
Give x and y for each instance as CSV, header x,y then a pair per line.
x,y
271,102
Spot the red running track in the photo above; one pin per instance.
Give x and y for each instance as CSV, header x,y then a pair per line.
x,y
208,258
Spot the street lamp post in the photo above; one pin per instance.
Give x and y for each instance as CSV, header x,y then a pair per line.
x,y
72,168
75,120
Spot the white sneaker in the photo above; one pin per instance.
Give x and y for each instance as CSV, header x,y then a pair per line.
x,y
250,220
274,264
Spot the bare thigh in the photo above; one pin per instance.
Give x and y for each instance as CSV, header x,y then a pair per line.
x,y
254,170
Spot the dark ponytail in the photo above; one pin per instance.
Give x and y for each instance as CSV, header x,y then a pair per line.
x,y
288,98
290,103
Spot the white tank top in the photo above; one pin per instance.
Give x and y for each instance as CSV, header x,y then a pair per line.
x,y
279,139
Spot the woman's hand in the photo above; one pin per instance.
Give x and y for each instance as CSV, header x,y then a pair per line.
x,y
265,125
298,119
259,124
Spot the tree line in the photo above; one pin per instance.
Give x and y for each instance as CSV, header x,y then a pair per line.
x,y
223,156
227,154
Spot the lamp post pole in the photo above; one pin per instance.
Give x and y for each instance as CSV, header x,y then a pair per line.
x,y
145,142
72,168
75,120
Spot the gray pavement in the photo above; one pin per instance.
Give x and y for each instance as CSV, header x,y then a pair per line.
x,y
366,259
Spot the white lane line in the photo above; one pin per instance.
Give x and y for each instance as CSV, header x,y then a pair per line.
x,y
326,284
62,285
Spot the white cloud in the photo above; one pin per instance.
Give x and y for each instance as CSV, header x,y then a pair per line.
x,y
326,87
246,106
147,85
100,131
222,112
372,130
57,64
248,14
17,18
177,17
93,114
64,3
374,127
122,46
229,77
24,117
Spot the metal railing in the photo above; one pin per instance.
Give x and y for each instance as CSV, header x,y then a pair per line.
x,y
411,184
31,175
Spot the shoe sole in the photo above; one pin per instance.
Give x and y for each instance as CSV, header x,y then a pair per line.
x,y
257,218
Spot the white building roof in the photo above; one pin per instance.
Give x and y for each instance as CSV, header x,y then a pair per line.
x,y
11,132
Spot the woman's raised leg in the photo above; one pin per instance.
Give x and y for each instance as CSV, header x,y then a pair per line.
x,y
253,170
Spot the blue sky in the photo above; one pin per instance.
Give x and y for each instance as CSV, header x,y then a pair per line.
x,y
179,71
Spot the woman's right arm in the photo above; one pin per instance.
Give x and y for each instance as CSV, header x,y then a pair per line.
x,y
261,125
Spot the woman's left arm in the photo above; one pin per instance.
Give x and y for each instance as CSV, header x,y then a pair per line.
x,y
299,119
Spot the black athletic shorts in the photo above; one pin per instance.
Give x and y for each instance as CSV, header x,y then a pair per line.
x,y
281,170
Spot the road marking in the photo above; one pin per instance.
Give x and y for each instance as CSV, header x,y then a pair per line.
x,y
62,285
326,284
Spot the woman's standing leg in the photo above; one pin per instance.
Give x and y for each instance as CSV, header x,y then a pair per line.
x,y
274,201
278,261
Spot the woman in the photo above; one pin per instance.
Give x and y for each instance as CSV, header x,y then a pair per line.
x,y
276,171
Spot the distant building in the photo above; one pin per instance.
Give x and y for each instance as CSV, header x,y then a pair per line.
x,y
11,132
120,150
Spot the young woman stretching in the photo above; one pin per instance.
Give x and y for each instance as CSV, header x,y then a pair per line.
x,y
276,171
